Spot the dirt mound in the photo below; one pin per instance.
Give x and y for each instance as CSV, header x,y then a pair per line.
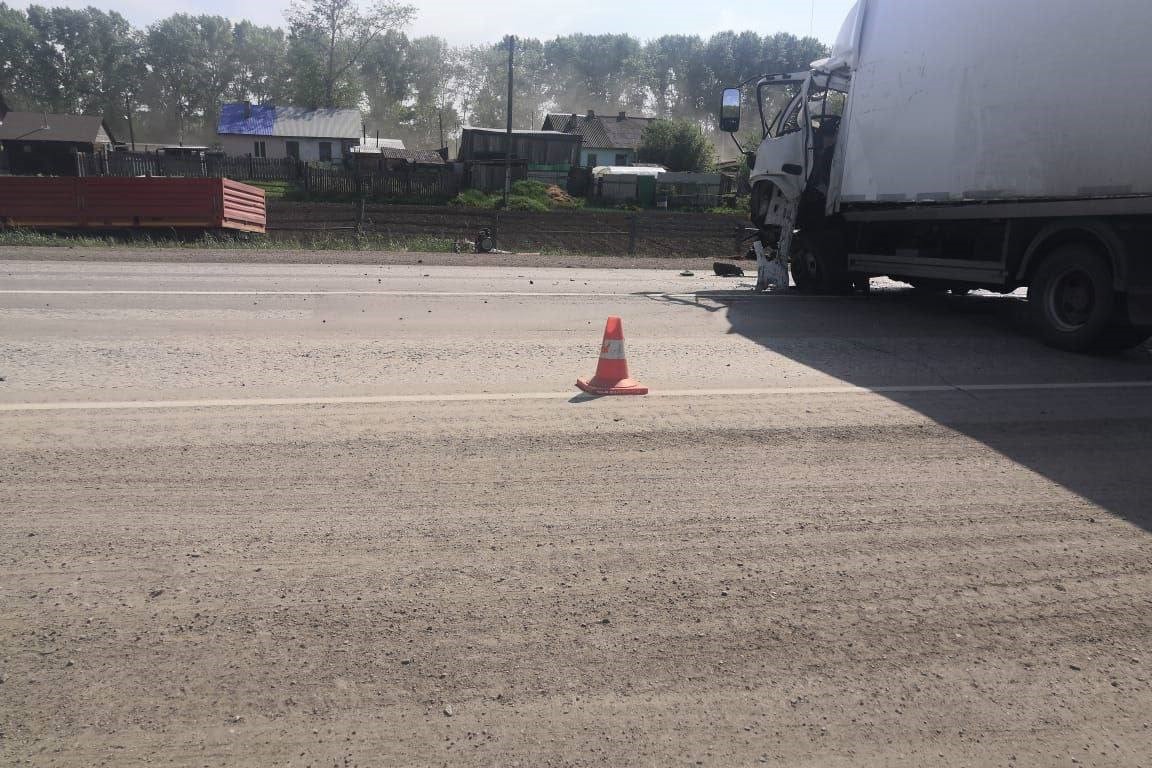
x,y
559,197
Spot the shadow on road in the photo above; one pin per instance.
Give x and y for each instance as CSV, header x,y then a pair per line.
x,y
1096,442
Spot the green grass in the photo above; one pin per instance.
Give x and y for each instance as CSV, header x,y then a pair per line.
x,y
274,190
525,195
474,198
33,238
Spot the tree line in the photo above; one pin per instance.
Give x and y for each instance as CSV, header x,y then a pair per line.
x,y
172,75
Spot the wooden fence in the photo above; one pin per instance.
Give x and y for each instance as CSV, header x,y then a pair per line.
x,y
206,166
647,233
433,183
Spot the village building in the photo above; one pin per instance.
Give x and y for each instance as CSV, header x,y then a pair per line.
x,y
265,130
607,140
39,143
546,156
390,155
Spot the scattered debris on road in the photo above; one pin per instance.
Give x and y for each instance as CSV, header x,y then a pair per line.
x,y
723,269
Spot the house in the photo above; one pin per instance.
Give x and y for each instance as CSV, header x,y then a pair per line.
x,y
265,130
606,140
41,143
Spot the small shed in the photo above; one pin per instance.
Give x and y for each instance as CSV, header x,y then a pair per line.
x,y
383,158
541,150
37,143
625,182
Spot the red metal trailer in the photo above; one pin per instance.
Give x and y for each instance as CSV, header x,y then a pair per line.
x,y
131,203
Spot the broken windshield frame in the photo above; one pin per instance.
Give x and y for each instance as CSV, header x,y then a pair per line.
x,y
773,98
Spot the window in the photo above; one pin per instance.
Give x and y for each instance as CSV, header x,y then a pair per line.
x,y
259,150
325,151
592,158
622,159
292,149
779,102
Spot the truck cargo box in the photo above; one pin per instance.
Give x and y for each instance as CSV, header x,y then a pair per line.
x,y
131,203
996,99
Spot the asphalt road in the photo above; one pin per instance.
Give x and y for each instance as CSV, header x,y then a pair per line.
x,y
358,515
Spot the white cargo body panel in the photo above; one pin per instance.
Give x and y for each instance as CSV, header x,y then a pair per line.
x,y
997,99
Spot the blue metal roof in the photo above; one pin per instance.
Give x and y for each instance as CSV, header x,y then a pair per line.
x,y
260,122
292,122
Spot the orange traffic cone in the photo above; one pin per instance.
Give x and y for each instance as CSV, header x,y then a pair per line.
x,y
612,371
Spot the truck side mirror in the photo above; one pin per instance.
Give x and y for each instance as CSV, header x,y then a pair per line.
x,y
730,110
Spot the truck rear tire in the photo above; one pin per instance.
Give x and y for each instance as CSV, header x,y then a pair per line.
x,y
1071,299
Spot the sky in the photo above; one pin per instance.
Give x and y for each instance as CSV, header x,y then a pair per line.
x,y
481,21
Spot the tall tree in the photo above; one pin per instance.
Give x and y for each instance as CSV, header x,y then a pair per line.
x,y
261,64
481,87
678,145
17,38
598,71
675,73
192,64
385,76
429,61
82,60
331,38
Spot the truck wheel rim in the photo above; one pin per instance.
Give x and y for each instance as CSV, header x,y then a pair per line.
x,y
1071,300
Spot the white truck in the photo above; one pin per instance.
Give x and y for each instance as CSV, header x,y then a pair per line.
x,y
992,144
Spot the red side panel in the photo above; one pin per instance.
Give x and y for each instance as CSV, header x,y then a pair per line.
x,y
116,203
27,201
111,201
244,207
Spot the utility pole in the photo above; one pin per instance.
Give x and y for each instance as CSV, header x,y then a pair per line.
x,y
440,117
508,140
128,113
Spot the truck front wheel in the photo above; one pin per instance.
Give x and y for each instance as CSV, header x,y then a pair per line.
x,y
1071,298
804,266
819,262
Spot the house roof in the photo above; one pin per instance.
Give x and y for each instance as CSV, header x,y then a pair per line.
x,y
239,118
414,155
74,129
394,153
619,131
546,134
373,143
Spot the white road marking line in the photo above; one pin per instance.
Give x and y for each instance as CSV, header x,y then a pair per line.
x,y
450,294
513,396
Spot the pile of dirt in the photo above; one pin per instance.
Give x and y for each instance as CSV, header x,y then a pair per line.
x,y
560,198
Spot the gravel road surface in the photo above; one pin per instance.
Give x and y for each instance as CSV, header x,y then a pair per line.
x,y
329,515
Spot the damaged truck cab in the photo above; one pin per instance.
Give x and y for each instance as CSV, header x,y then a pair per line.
x,y
957,146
